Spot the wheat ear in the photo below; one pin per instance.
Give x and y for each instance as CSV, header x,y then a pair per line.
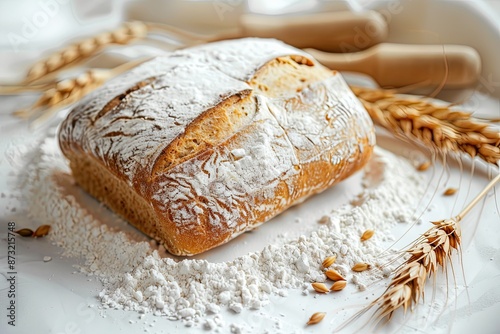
x,y
429,252
65,93
69,91
437,127
75,53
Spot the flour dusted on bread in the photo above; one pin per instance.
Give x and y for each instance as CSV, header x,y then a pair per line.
x,y
199,146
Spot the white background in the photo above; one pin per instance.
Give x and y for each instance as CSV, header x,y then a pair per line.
x,y
53,299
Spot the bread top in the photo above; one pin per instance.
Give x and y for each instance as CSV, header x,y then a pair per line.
x,y
127,123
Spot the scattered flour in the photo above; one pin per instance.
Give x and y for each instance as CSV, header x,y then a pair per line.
x,y
138,276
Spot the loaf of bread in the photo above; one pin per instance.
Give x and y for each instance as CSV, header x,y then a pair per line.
x,y
201,145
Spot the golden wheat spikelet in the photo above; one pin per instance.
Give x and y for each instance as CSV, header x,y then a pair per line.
x,y
431,251
65,92
436,127
68,91
75,53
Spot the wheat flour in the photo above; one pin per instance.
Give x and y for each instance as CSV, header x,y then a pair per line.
x,y
137,276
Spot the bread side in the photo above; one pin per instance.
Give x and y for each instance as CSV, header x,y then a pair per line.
x,y
202,149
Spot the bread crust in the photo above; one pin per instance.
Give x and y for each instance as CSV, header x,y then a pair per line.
x,y
197,147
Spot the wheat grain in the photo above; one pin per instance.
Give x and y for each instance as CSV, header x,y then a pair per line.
x,y
316,318
41,231
450,191
339,285
75,53
367,235
437,127
424,166
25,232
320,287
334,275
328,261
361,266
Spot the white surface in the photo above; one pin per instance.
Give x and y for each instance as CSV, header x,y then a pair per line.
x,y
51,298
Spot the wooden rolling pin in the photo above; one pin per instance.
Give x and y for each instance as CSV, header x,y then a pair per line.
x,y
330,31
401,65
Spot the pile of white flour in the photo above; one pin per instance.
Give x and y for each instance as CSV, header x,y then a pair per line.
x,y
136,276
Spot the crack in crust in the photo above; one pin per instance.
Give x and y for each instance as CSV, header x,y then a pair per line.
x,y
115,103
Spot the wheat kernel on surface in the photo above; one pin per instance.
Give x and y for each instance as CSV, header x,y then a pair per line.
x,y
424,166
339,285
320,287
316,318
41,231
24,232
334,275
329,261
367,235
450,191
361,266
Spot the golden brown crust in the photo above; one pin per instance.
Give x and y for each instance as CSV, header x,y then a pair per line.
x,y
194,163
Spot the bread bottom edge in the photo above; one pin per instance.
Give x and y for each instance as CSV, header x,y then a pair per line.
x,y
120,198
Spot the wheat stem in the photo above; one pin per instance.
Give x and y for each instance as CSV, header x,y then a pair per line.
x,y
20,89
473,203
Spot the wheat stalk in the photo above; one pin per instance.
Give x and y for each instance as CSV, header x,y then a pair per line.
x,y
437,127
429,252
86,48
75,53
